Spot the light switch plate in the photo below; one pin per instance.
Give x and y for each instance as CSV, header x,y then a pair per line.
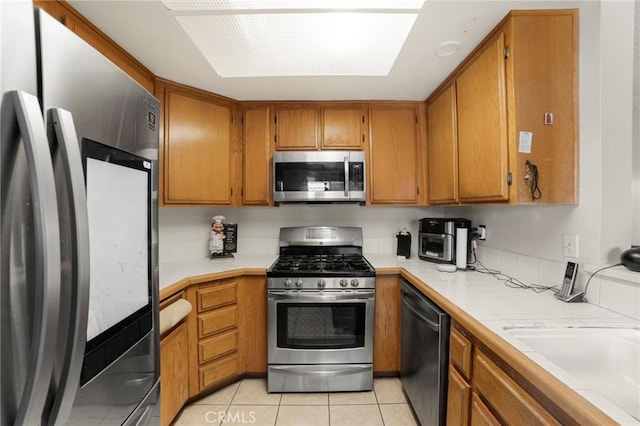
x,y
570,245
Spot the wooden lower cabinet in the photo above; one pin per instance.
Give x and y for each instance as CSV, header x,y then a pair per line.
x,y
457,398
174,387
506,398
481,393
213,334
218,371
252,323
480,413
386,343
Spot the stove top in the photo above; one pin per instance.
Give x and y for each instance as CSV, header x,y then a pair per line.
x,y
321,264
321,251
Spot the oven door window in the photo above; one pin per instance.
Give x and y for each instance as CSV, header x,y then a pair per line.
x,y
321,325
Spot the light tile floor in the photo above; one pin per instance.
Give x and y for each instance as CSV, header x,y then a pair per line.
x,y
247,402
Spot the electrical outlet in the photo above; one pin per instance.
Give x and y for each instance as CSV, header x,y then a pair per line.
x,y
482,230
570,245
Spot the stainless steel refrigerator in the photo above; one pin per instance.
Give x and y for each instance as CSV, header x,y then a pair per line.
x,y
79,241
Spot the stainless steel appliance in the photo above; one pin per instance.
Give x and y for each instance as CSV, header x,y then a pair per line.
x,y
425,355
321,301
437,238
319,176
78,179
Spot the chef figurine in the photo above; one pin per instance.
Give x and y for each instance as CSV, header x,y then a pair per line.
x,y
216,242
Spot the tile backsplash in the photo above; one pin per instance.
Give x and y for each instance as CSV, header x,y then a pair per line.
x,y
184,235
617,290
184,231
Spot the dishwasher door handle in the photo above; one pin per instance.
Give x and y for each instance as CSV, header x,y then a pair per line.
x,y
432,325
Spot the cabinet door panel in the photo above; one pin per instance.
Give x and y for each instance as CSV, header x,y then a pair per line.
x,y
482,127
394,156
480,413
457,399
460,350
218,320
442,146
218,371
506,397
217,346
342,128
173,373
197,151
216,296
386,343
297,128
256,157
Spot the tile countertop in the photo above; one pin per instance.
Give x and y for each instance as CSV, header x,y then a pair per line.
x,y
481,296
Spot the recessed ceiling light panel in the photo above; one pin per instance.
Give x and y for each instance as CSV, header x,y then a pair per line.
x,y
299,44
220,5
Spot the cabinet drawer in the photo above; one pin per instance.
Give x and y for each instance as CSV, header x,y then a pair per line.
x,y
218,320
512,403
214,297
218,371
217,346
460,349
480,413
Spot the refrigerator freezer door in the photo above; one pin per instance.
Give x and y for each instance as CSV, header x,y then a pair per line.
x,y
108,107
29,261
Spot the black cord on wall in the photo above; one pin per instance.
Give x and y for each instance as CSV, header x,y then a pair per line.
x,y
532,173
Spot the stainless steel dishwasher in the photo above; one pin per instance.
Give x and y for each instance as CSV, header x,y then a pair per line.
x,y
425,355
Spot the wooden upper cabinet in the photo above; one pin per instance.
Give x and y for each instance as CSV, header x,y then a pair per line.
x,y
197,149
442,147
342,128
256,150
296,128
542,93
520,83
483,160
394,155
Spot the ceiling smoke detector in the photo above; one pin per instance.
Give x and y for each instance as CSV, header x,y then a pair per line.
x,y
447,48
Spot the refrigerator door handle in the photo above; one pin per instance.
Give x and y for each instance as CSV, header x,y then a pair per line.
x,y
22,119
78,305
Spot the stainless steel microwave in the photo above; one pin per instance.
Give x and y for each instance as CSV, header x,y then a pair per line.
x,y
319,176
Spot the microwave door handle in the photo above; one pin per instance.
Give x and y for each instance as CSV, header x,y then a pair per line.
x,y
21,119
346,176
78,301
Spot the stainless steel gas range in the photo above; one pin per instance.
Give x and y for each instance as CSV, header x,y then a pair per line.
x,y
321,301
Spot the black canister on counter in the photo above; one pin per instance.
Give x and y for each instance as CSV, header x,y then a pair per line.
x,y
404,243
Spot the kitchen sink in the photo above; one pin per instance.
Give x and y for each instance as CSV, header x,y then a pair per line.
x,y
604,359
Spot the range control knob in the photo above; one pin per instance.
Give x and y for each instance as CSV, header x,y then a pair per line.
x,y
355,283
322,284
287,282
343,283
299,283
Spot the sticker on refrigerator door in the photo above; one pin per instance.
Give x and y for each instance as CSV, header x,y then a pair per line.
x,y
525,140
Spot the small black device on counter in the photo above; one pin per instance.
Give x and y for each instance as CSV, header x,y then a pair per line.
x,y
404,243
437,238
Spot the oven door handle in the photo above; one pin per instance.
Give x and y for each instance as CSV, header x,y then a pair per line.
x,y
291,370
324,297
